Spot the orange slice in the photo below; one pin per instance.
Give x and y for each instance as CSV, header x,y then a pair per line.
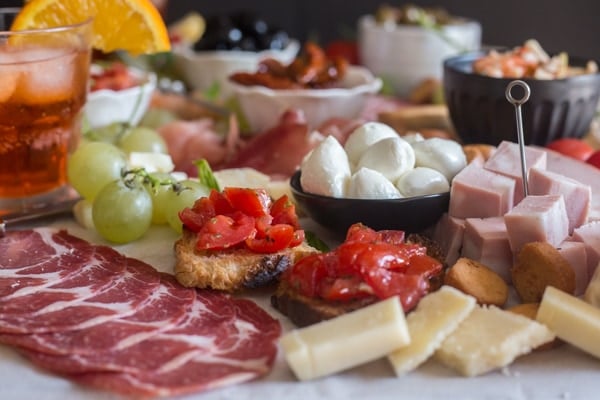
x,y
131,25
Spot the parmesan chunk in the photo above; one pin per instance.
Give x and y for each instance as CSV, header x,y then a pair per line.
x,y
491,338
437,316
349,340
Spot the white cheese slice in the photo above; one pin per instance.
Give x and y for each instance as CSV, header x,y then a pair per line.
x,y
344,342
437,316
151,162
573,320
491,338
242,177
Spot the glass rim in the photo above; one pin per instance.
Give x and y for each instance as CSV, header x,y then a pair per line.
x,y
57,29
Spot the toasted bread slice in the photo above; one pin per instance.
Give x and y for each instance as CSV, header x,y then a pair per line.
x,y
231,270
304,311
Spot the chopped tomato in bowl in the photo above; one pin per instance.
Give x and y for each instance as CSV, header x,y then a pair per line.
x,y
369,263
243,218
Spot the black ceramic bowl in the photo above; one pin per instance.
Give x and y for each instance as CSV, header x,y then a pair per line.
x,y
411,215
480,113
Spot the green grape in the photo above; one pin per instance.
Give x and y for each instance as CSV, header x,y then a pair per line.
x,y
142,140
92,165
177,201
160,193
107,133
122,212
157,117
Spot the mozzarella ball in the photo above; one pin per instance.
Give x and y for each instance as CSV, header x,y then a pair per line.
x,y
392,157
443,155
326,170
364,136
421,181
413,137
370,184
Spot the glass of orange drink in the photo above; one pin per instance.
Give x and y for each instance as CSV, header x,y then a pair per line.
x,y
43,87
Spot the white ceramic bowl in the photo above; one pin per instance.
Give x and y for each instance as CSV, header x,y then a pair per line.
x,y
201,69
104,107
263,107
405,55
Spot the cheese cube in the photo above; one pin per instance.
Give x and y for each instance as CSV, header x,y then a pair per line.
x,y
344,342
437,315
491,338
573,320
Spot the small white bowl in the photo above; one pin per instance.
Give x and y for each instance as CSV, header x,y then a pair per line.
x,y
405,55
104,107
263,106
201,69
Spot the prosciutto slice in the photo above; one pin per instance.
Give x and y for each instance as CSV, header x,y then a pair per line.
x,y
222,342
164,308
138,332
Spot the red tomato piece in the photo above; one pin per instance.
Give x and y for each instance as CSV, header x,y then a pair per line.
x,y
575,148
220,203
253,202
276,238
392,236
298,238
342,289
424,265
594,159
193,220
361,233
305,275
386,283
223,232
283,211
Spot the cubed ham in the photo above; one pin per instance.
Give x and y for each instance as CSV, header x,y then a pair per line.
x,y
537,219
575,254
580,171
479,193
577,195
448,234
486,240
506,160
589,234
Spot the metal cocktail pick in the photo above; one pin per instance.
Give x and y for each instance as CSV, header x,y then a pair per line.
x,y
519,117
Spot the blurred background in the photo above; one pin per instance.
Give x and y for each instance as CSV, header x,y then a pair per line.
x,y
559,25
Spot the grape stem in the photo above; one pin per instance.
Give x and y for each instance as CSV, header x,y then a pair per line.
x,y
132,177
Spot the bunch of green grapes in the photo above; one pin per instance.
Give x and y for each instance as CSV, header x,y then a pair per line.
x,y
126,202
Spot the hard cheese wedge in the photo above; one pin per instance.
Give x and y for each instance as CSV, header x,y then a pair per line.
x,y
490,338
346,341
572,319
437,315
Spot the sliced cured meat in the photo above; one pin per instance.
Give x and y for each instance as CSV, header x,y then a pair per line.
x,y
164,308
223,341
141,333
73,305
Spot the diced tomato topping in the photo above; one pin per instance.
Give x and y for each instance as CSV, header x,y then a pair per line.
x,y
240,216
253,202
223,232
368,263
275,238
283,211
